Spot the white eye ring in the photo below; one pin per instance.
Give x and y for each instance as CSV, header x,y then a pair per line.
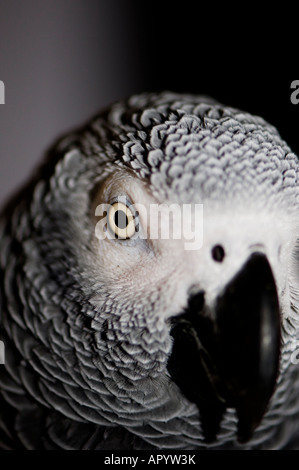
x,y
121,221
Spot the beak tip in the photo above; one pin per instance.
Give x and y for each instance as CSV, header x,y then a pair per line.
x,y
244,433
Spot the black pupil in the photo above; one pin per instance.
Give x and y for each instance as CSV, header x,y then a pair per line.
x,y
120,219
218,253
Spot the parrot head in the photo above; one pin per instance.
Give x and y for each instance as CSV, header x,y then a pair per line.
x,y
185,345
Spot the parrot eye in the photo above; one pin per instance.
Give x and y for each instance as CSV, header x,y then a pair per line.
x,y
121,221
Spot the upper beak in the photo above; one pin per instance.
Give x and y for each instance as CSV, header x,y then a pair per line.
x,y
229,358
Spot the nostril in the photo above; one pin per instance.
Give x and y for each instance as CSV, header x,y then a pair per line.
x,y
218,253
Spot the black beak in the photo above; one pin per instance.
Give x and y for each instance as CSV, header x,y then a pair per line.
x,y
229,357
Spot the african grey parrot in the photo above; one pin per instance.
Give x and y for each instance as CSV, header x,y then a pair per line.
x,y
138,343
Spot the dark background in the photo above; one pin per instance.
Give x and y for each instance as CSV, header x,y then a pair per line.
x,y
63,60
